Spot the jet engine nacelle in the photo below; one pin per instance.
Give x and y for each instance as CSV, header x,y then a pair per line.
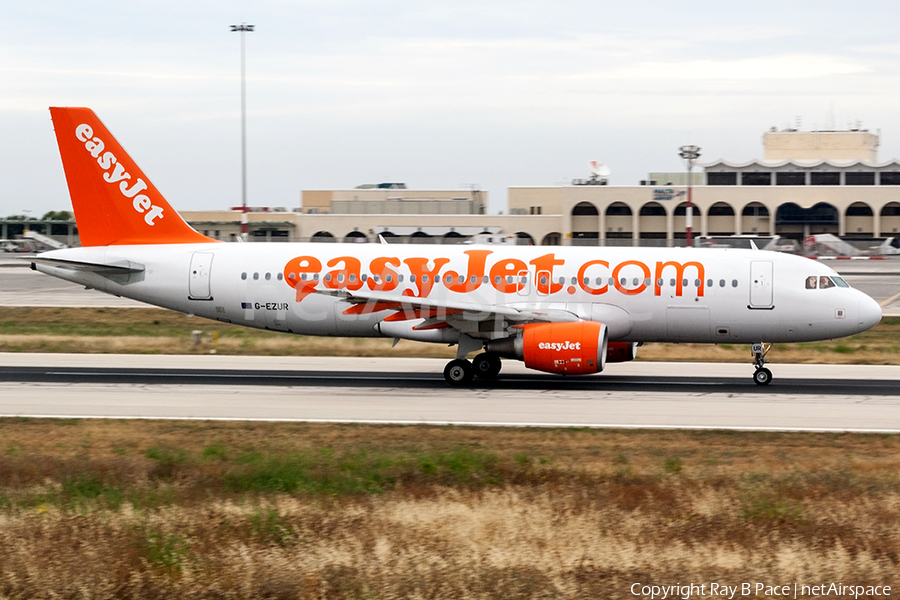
x,y
566,348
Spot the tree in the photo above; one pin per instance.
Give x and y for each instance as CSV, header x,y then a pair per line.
x,y
57,215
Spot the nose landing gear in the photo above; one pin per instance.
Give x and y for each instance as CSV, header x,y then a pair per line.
x,y
762,375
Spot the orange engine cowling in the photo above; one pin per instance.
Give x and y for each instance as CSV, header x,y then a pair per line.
x,y
566,348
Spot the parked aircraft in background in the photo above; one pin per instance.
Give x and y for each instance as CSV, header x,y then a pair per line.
x,y
565,310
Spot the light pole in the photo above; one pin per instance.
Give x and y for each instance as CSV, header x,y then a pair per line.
x,y
244,219
689,154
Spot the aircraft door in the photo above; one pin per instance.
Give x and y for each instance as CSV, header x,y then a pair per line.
x,y
201,268
761,292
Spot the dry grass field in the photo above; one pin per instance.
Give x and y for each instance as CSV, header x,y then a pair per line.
x,y
157,331
154,509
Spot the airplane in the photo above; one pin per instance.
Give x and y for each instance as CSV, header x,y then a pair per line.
x,y
559,309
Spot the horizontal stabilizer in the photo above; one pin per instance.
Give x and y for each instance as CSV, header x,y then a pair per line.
x,y
120,267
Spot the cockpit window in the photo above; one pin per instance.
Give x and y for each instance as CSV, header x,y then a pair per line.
x,y
811,282
825,282
840,281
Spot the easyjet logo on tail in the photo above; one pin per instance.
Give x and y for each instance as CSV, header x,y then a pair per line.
x,y
116,174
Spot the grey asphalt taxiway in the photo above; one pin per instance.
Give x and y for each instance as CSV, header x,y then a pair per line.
x,y
388,390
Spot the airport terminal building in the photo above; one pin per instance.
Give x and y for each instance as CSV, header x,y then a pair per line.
x,y
808,182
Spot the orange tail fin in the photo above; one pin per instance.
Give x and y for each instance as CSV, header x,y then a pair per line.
x,y
114,201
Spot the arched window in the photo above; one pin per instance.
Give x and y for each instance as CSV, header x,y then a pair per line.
x,y
653,209
322,236
356,236
618,209
524,239
551,239
584,209
720,209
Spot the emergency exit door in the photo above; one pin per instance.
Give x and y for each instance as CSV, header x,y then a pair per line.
x,y
761,284
198,283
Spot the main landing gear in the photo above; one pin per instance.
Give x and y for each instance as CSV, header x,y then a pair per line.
x,y
762,376
460,371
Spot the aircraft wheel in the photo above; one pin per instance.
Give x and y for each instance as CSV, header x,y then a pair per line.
x,y
459,372
486,365
762,376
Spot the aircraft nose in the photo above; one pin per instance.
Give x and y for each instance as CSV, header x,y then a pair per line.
x,y
869,313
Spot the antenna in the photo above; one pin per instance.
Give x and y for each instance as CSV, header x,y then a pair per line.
x,y
599,170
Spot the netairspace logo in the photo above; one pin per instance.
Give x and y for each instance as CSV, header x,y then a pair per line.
x,y
794,590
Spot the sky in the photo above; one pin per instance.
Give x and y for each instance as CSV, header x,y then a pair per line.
x,y
435,94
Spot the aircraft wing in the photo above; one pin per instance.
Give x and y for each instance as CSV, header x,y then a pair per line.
x,y
442,311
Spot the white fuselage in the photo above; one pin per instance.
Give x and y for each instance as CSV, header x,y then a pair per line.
x,y
643,294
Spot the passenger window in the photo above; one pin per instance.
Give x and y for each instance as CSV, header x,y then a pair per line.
x,y
243,276
696,283
635,282
709,283
255,276
280,277
543,280
327,276
811,282
734,283
363,277
684,283
672,283
721,283
316,277
647,282
825,282
268,276
659,282
474,279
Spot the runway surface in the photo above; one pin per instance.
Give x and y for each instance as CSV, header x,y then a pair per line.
x,y
672,395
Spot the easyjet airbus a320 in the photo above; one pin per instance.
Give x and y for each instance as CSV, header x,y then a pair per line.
x,y
565,310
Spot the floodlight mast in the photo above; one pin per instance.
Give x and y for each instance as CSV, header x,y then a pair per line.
x,y
244,218
689,154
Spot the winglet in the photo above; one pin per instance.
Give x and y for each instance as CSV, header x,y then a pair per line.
x,y
114,202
